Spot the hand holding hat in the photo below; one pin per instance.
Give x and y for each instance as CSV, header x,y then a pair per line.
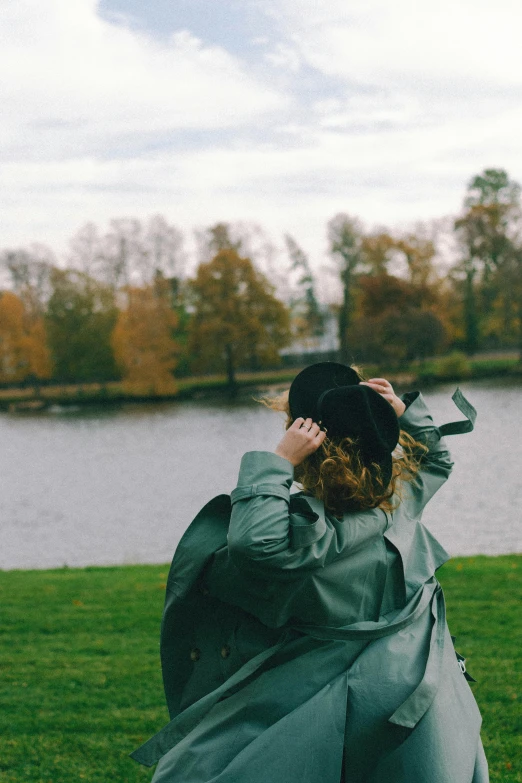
x,y
385,389
333,395
300,440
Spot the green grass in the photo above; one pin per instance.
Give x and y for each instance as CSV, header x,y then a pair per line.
x,y
80,683
456,367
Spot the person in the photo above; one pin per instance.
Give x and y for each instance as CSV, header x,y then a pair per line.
x,y
304,636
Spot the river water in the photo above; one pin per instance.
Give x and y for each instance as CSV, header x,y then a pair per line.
x,y
117,486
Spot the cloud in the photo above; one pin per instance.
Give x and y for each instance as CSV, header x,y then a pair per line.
x,y
472,42
74,80
381,110
283,56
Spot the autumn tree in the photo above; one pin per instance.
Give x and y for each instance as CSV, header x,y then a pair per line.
x,y
391,324
237,320
29,271
143,340
23,350
220,236
345,236
80,318
377,248
488,236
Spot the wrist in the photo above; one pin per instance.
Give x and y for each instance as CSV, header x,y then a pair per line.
x,y
284,455
400,407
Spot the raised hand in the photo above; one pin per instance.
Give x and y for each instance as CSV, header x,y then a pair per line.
x,y
300,440
385,389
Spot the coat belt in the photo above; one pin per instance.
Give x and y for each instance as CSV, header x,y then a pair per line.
x,y
408,713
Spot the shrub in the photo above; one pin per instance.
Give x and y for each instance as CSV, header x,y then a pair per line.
x,y
455,366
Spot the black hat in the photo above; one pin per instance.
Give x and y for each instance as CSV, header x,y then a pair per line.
x,y
331,394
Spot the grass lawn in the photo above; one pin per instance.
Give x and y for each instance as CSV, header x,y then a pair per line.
x,y
80,680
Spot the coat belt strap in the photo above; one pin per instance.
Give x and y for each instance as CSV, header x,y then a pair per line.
x,y
413,708
368,629
465,407
416,705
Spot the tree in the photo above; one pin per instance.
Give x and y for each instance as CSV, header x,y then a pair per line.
x,y
87,252
29,271
517,287
487,232
306,308
23,350
419,253
143,342
391,324
80,317
237,320
130,252
221,236
125,259
376,251
164,247
345,237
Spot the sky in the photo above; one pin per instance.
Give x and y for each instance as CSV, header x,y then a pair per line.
x,y
280,113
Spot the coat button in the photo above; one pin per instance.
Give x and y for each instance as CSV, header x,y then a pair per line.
x,y
195,654
225,651
203,589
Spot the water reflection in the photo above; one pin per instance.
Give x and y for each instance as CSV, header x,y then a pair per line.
x,y
120,485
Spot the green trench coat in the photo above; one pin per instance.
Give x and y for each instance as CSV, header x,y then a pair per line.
x,y
294,643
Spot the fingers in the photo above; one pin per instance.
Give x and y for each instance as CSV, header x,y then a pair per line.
x,y
321,435
302,438
314,430
305,425
379,384
314,437
385,389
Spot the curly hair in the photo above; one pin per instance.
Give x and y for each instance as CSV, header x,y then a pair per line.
x,y
337,474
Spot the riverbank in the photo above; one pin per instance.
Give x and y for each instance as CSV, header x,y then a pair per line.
x,y
81,684
454,367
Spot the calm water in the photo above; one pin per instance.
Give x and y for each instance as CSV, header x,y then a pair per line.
x,y
121,486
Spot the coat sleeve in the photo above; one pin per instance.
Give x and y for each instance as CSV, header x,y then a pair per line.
x,y
436,464
268,530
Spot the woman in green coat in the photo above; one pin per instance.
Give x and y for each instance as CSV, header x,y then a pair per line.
x,y
304,636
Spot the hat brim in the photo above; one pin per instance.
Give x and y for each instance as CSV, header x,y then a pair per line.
x,y
308,386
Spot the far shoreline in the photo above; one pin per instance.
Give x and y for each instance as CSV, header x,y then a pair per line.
x,y
452,368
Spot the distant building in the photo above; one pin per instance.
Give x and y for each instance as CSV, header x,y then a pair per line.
x,y
322,347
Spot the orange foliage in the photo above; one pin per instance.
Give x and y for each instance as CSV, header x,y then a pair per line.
x,y
142,340
23,347
238,321
376,250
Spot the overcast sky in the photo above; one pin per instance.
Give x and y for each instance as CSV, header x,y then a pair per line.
x,y
282,112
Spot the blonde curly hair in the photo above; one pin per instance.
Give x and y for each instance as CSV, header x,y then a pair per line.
x,y
337,474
